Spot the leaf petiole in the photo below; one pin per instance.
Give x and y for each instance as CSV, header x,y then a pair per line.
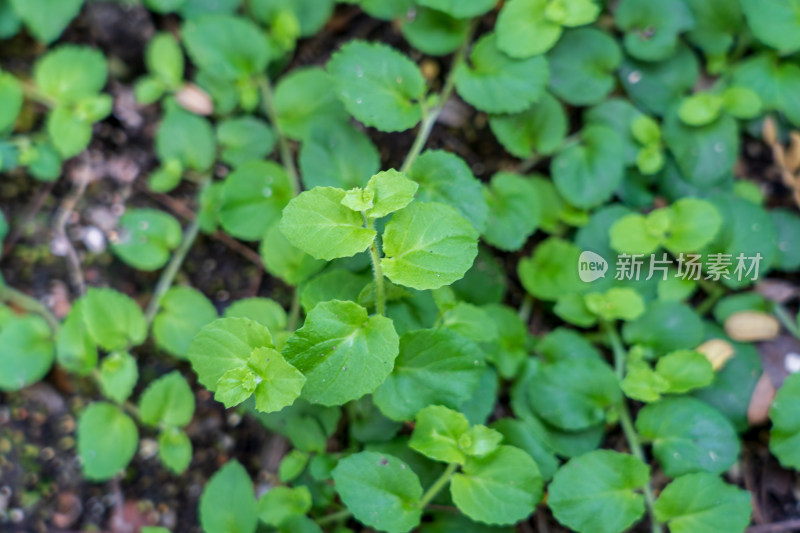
x,y
438,485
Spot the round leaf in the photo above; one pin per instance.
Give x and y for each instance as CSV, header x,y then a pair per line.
x,y
107,441
785,433
303,101
26,350
146,238
184,311
114,321
71,73
703,503
226,46
582,66
513,211
168,401
539,129
228,503
335,154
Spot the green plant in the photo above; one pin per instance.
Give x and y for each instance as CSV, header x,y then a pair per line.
x,y
400,322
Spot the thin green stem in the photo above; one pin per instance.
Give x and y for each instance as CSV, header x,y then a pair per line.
x,y
294,311
711,300
526,308
283,143
338,516
791,324
377,270
438,485
169,273
431,115
626,421
26,303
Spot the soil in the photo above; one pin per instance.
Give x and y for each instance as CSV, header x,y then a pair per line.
x,y
41,489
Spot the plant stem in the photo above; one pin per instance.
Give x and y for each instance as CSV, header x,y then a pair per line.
x,y
283,143
525,309
431,115
169,273
338,516
717,292
377,270
26,303
626,421
294,311
786,319
438,485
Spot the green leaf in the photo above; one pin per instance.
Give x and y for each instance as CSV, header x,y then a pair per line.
x,y
470,321
146,238
164,59
278,384
642,383
458,9
551,271
785,432
588,173
175,450
223,345
11,100
243,139
435,32
304,101
332,285
114,321
70,73
524,30
392,191
46,19
688,436
685,370
183,312
513,211
652,28
539,129
435,367
186,138
529,435
741,102
703,503
776,83
228,47
625,119
281,503
428,245
444,177
694,225
378,85
26,350
252,199
343,353
501,488
775,23
228,503
496,83
701,108
480,440
292,465
107,441
168,401
582,66
336,154
317,223
263,310
235,386
75,350
164,6
118,376
380,490
283,260
787,224
665,327
573,394
704,153
70,135
596,492
311,15
655,87
645,130
436,434
618,303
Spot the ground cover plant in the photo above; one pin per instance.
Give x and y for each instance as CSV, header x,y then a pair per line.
x,y
399,265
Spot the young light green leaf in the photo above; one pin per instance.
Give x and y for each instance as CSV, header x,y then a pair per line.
x,y
501,488
46,19
596,492
223,345
785,432
618,303
118,376
741,102
114,321
685,370
11,99
229,47
26,349
525,30
392,191
168,401
480,440
428,245
228,502
70,73
642,383
278,384
175,450
184,311
703,503
107,441
513,211
694,224
282,503
701,108
378,85
252,199
437,432
688,436
317,223
496,83
164,59
343,353
146,238
435,366
458,9
380,490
